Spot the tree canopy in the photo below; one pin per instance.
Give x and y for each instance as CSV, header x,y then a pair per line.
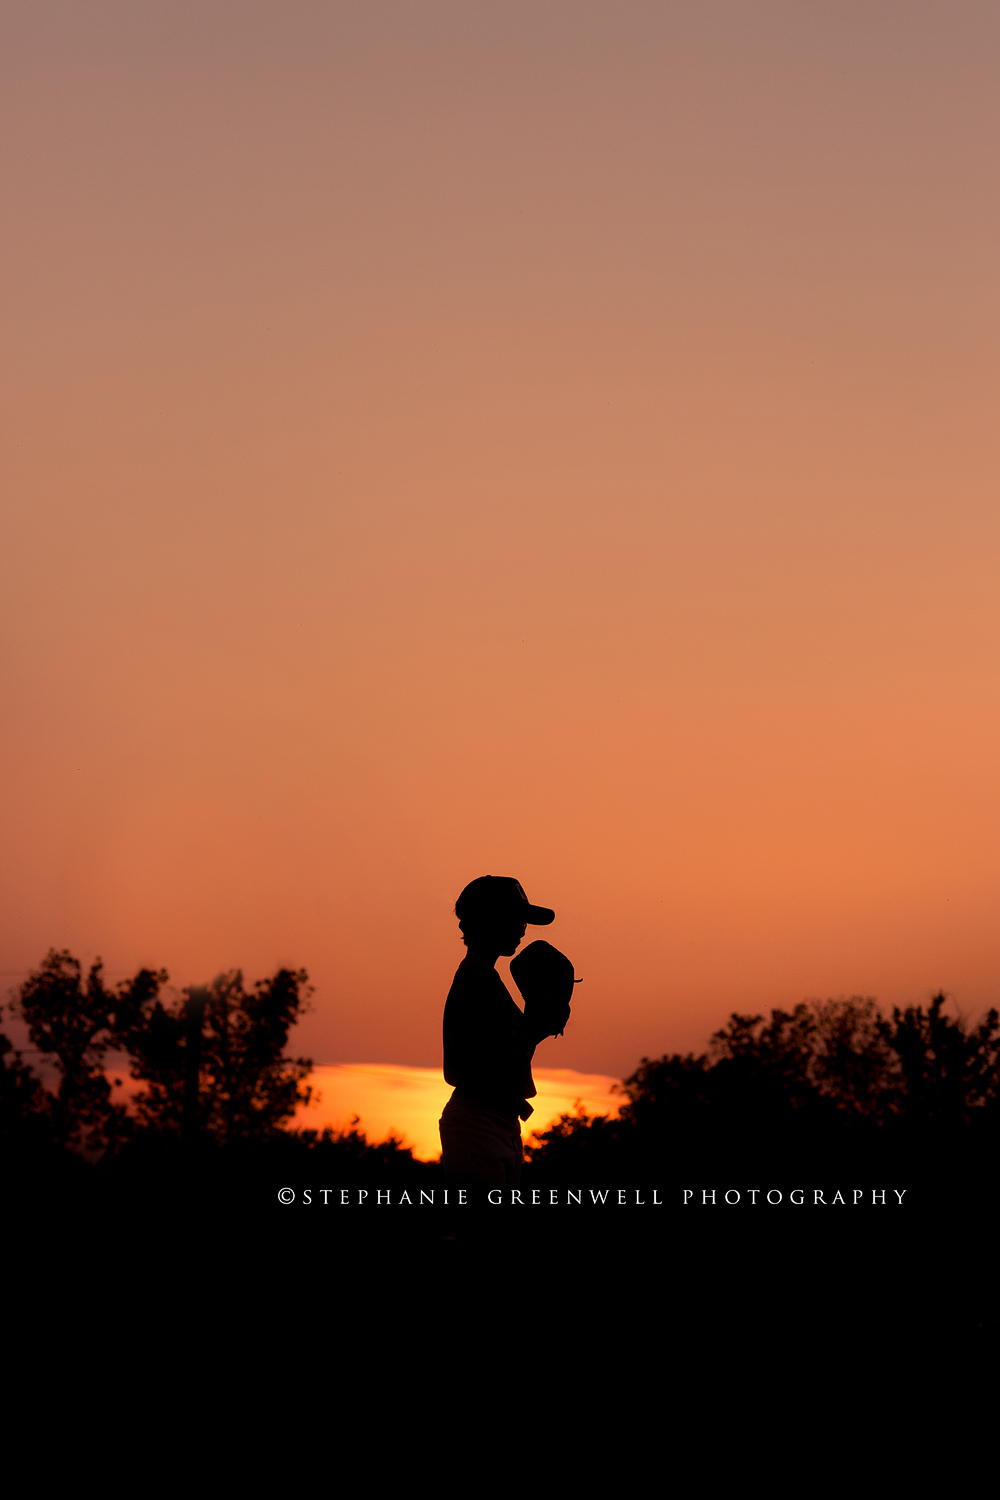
x,y
243,1085
837,1078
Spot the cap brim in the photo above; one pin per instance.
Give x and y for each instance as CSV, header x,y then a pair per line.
x,y
539,916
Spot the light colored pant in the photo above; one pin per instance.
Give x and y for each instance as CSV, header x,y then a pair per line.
x,y
479,1147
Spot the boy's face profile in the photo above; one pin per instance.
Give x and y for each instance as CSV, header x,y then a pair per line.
x,y
512,935
500,935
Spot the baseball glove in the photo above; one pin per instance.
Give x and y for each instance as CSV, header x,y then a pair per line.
x,y
545,978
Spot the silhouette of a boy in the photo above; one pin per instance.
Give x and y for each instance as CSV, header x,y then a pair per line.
x,y
488,1040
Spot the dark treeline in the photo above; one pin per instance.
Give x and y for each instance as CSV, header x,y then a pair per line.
x,y
217,1091
821,1088
824,1087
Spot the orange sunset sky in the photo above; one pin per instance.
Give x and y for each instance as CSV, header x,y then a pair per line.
x,y
555,440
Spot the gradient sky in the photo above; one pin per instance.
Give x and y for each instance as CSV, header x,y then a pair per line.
x,y
555,440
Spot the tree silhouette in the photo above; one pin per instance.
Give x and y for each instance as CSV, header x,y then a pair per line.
x,y
246,1088
942,1073
25,1105
822,1082
229,1067
73,1021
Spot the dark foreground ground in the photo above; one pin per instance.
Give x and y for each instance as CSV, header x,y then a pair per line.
x,y
864,1276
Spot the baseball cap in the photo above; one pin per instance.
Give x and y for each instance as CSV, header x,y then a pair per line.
x,y
501,896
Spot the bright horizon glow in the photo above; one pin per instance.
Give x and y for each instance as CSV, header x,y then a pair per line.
x,y
392,1099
